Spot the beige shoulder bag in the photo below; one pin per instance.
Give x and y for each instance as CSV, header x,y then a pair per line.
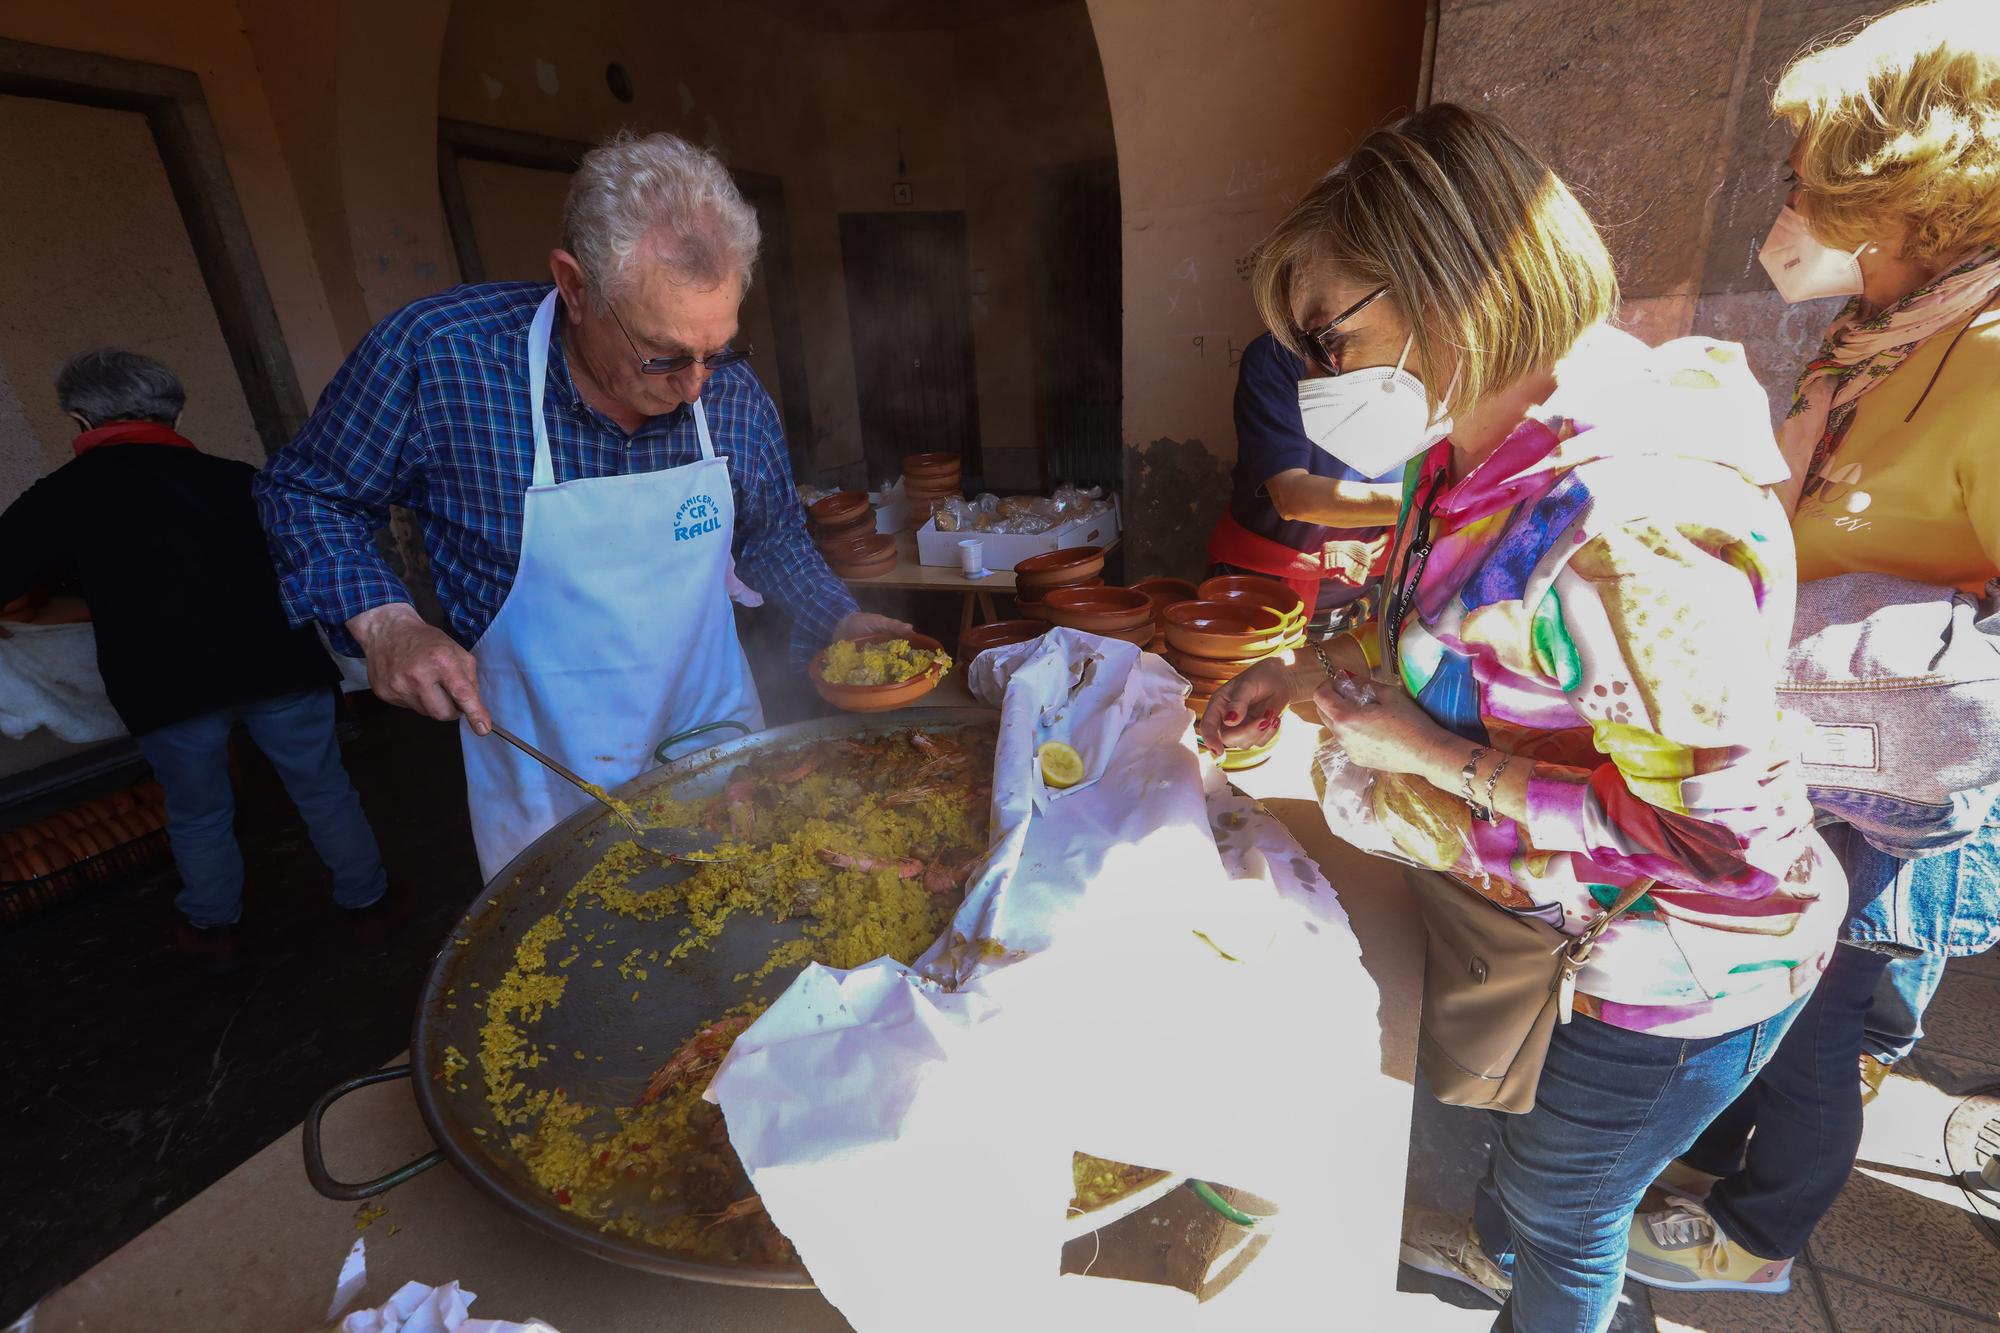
x,y
1495,987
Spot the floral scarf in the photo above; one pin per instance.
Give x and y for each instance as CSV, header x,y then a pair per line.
x,y
1859,353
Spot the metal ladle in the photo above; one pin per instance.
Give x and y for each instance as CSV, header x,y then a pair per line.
x,y
670,845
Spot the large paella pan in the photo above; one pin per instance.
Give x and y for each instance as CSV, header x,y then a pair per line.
x,y
572,1016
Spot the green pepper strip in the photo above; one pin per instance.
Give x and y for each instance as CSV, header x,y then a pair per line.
x,y
1221,1206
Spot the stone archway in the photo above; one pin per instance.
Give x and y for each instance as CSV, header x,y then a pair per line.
x,y
1223,114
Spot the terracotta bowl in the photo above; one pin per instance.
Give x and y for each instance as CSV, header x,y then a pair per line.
x,y
842,548
1165,591
859,527
1138,638
837,511
1056,569
862,569
1257,592
1229,631
878,698
998,634
918,466
1100,610
1033,596
1206,671
868,546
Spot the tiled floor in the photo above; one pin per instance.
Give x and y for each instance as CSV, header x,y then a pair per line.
x,y
1902,1250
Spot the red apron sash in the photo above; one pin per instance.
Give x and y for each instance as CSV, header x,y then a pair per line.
x,y
1233,544
1352,562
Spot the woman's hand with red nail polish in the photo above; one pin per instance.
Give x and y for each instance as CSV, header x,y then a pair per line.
x,y
1260,692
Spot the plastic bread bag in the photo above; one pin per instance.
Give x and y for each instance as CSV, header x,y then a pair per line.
x,y
1366,810
1023,525
1072,500
954,515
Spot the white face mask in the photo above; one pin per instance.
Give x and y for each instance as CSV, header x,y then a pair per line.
x,y
1801,268
1374,420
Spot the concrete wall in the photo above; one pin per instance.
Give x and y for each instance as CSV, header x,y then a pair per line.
x,y
974,111
1658,112
208,37
112,265
1224,114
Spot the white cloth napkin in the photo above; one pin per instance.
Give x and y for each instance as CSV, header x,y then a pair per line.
x,y
48,678
416,1308
1148,969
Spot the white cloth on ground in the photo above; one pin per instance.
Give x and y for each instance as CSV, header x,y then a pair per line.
x,y
1148,969
49,678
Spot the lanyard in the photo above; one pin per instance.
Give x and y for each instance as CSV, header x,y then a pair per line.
x,y
1403,588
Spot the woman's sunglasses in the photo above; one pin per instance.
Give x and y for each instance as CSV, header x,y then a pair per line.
x,y
1319,344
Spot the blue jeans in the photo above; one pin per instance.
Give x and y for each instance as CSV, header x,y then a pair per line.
x,y
1895,1022
295,731
1806,1110
1614,1107
1943,902
1926,909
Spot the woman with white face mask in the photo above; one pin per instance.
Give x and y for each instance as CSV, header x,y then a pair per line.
x,y
1589,593
1895,204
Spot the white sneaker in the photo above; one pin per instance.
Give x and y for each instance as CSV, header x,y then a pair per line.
x,y
1445,1246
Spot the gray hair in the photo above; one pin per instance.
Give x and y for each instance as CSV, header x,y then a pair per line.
x,y
664,195
108,384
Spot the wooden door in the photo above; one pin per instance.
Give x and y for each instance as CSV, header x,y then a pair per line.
x,y
909,311
1080,324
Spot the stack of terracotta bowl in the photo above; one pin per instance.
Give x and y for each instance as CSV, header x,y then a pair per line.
x,y
1164,592
1115,613
1248,590
843,527
1212,642
998,634
929,480
1039,575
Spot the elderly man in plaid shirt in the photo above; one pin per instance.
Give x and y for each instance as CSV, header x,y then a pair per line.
x,y
597,473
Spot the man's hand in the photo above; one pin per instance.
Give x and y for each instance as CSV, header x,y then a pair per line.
x,y
419,667
863,623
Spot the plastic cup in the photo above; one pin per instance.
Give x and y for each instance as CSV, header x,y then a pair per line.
x,y
972,558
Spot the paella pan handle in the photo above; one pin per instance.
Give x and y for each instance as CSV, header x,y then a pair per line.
x,y
322,1179
727,724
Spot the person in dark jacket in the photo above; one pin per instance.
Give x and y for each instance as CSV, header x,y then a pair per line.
x,y
1296,513
164,544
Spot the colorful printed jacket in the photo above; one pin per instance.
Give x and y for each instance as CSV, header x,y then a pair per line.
x,y
1609,596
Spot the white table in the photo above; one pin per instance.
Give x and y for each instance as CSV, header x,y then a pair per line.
x,y
259,1250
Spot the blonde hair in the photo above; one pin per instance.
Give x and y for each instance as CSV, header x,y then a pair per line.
x,y
1483,249
1901,119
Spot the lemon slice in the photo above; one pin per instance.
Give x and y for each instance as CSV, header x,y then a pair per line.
x,y
1062,766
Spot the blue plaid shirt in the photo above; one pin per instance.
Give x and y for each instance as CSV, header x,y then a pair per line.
x,y
431,412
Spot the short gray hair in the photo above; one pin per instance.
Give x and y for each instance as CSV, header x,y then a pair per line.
x,y
108,384
662,194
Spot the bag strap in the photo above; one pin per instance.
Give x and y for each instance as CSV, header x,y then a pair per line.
x,y
1577,952
1579,949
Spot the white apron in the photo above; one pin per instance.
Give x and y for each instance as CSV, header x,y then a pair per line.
x,y
616,633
